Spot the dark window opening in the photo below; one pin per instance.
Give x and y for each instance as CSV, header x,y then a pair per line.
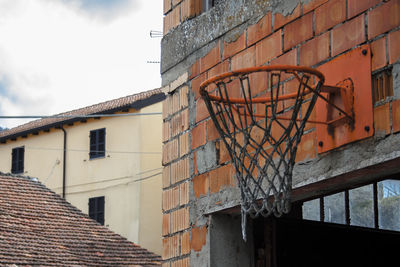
x,y
96,209
17,162
375,205
97,143
208,4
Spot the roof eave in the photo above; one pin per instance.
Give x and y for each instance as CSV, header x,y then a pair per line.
x,y
139,104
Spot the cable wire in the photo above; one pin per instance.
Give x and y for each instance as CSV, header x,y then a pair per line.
x,y
118,178
94,151
115,185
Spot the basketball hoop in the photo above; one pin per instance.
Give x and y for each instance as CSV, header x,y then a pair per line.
x,y
261,114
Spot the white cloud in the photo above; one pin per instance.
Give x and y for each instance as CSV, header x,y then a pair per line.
x,y
62,55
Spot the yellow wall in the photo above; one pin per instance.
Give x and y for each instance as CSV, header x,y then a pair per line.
x,y
132,208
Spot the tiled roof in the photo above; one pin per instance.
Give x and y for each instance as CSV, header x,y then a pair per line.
x,y
111,105
38,227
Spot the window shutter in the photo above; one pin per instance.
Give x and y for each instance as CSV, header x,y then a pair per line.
x,y
96,209
14,161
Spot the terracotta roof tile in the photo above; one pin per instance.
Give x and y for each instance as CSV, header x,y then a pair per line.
x,y
114,104
38,227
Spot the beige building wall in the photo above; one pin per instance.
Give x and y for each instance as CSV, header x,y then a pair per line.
x,y
133,152
46,147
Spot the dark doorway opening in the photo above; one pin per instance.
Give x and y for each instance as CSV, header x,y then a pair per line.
x,y
296,243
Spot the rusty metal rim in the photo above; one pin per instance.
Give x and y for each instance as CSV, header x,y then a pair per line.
x,y
241,72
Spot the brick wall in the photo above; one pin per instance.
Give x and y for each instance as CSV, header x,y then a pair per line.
x,y
177,11
197,166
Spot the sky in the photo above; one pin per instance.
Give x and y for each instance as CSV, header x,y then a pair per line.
x,y
60,55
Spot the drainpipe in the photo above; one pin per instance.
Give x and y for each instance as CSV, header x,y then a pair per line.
x,y
64,161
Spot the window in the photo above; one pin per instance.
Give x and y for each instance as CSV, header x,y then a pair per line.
x,y
96,209
375,205
97,143
17,162
208,4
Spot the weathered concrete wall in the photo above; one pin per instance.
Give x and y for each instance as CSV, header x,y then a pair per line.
x,y
198,178
194,38
226,229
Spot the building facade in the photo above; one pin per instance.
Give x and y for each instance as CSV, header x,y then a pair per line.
x,y
347,187
107,162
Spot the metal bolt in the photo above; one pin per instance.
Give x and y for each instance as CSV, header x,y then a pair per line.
x,y
320,143
366,128
364,52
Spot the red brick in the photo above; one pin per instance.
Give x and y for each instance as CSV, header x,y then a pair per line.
x,y
298,31
378,49
179,170
396,116
195,69
384,18
199,237
315,51
355,7
311,5
329,15
170,151
184,145
280,19
179,220
258,83
198,135
180,122
382,119
307,149
166,176
184,97
185,243
219,69
196,84
201,185
166,248
212,132
175,103
259,30
269,48
223,152
211,59
289,58
184,193
244,59
201,110
170,198
166,131
188,9
232,48
181,263
166,107
167,6
394,46
171,20
313,116
166,224
170,247
290,87
220,178
348,35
